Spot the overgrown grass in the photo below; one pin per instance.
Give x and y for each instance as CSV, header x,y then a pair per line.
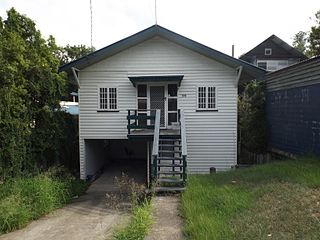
x,y
280,200
28,198
139,225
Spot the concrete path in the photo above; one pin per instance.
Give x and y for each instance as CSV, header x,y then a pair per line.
x,y
85,218
168,223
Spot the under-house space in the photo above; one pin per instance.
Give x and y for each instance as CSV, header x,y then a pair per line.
x,y
114,157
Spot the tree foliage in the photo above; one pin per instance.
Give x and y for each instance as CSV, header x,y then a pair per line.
x,y
70,53
30,90
300,41
314,37
252,117
309,42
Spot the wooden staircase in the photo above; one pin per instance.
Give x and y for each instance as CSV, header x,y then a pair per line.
x,y
169,156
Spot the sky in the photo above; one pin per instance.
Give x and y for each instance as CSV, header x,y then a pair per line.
x,y
217,24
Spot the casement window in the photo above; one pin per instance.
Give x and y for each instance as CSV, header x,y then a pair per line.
x,y
108,98
207,98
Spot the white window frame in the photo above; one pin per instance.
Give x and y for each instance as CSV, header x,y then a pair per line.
x,y
108,109
207,98
268,51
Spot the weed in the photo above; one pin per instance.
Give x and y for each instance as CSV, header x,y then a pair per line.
x,y
139,225
27,198
128,192
141,208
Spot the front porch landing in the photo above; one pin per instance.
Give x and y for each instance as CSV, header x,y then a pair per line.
x,y
148,133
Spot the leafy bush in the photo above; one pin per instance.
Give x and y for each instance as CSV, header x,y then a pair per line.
x,y
252,117
13,213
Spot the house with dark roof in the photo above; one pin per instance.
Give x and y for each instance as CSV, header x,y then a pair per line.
x,y
273,54
159,104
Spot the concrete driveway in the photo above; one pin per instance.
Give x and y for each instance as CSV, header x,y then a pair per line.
x,y
86,218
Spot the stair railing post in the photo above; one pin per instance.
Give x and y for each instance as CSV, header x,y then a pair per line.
x,y
184,169
136,114
183,145
155,148
128,117
155,168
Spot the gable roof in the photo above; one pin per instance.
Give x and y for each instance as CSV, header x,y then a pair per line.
x,y
274,40
156,30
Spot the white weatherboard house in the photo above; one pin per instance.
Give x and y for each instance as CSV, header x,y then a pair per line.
x,y
159,102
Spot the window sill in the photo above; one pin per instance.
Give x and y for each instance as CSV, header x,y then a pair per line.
x,y
207,110
107,110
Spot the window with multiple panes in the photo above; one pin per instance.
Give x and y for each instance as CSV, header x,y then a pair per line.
x,y
142,102
108,98
172,103
207,98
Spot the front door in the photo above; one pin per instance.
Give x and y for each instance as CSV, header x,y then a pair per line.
x,y
158,101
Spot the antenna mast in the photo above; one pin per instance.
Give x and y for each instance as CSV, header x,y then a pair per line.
x,y
91,24
155,11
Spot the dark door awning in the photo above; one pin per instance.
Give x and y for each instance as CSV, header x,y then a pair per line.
x,y
154,79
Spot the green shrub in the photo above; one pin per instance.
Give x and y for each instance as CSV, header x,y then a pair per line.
x,y
28,198
13,213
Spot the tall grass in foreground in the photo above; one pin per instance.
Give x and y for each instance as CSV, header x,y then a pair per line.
x,y
140,224
277,200
28,198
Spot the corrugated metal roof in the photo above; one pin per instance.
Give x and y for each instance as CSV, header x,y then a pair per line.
x,y
301,74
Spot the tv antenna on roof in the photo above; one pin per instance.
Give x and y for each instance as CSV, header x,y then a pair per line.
x,y
91,24
155,11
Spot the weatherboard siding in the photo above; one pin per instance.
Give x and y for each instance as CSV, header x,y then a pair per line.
x,y
211,135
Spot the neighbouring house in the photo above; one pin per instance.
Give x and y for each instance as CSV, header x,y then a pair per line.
x,y
293,108
159,102
70,107
273,54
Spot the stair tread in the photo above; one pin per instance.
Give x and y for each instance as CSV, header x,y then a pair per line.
x,y
170,172
170,180
169,165
169,189
170,139
170,158
169,145
170,151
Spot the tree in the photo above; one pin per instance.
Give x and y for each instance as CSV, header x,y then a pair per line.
x,y
30,90
70,53
252,117
300,41
309,42
314,37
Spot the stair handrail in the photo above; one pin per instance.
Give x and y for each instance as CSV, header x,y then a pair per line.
x,y
155,148
183,134
183,144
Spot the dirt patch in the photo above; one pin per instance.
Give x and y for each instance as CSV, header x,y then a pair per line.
x,y
167,221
